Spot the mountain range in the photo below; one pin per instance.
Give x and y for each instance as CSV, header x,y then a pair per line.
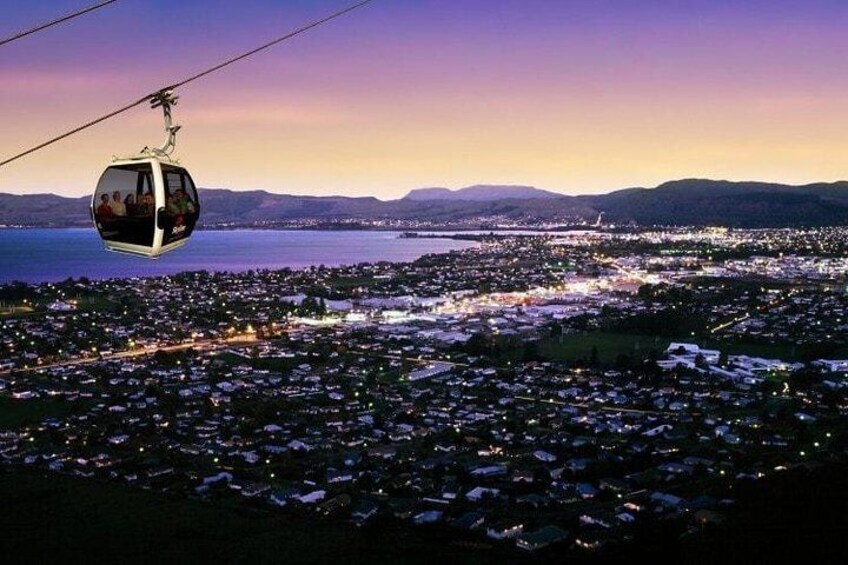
x,y
480,193
683,202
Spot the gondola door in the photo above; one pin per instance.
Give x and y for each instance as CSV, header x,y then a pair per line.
x,y
124,206
181,206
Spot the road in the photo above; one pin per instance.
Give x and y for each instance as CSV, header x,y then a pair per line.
x,y
600,408
203,345
775,302
407,358
200,345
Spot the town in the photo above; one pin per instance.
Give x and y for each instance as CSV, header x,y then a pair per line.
x,y
536,392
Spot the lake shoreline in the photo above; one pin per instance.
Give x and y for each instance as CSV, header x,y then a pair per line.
x,y
50,255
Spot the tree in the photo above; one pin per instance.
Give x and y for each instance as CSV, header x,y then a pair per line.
x,y
477,345
531,351
623,362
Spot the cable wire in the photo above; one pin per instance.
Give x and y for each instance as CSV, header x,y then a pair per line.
x,y
57,21
270,44
150,97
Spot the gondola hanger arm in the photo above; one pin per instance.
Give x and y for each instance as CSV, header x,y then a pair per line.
x,y
166,100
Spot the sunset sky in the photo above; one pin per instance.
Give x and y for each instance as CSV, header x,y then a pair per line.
x,y
572,96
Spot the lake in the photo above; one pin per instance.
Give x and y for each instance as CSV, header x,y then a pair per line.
x,y
45,255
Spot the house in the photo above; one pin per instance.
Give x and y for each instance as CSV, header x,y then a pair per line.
x,y
428,517
312,497
603,519
666,499
593,539
613,484
251,490
280,497
661,429
523,476
586,490
543,537
705,517
832,365
382,452
352,458
504,529
544,456
430,371
479,493
334,504
217,478
469,520
297,445
402,508
676,468
688,355
533,499
337,476
489,471
364,512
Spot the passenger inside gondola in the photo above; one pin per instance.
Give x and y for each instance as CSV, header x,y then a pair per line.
x,y
104,210
180,204
146,205
129,204
118,207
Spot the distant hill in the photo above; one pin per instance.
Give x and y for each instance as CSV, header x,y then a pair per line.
x,y
733,204
46,210
682,202
481,193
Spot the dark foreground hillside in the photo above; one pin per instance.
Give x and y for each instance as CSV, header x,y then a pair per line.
x,y
797,516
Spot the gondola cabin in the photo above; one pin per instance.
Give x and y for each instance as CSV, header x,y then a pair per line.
x,y
145,206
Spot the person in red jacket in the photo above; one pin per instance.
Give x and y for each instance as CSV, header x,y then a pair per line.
x,y
104,211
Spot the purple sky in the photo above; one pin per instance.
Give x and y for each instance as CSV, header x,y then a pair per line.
x,y
573,96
